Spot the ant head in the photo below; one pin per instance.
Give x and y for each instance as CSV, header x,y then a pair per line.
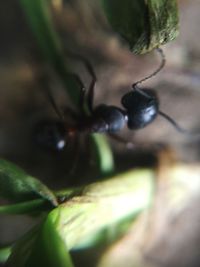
x,y
142,107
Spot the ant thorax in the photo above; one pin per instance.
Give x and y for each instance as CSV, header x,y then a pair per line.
x,y
109,119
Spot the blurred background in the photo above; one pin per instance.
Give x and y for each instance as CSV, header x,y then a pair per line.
x,y
175,237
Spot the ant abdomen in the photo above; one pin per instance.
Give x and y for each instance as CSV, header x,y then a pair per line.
x,y
111,118
51,134
142,107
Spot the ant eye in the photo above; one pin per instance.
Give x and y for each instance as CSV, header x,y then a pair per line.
x,y
50,135
142,107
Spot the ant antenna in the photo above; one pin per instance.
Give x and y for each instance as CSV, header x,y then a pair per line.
x,y
162,64
164,115
177,126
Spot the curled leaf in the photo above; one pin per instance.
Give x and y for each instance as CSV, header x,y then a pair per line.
x,y
143,24
103,204
41,247
17,185
39,17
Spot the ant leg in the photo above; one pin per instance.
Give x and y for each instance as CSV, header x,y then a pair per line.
x,y
121,140
61,114
54,105
82,92
90,70
71,113
46,89
76,158
90,99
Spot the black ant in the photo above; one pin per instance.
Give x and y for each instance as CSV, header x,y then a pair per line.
x,y
140,108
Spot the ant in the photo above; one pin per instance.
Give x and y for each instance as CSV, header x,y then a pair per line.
x,y
140,108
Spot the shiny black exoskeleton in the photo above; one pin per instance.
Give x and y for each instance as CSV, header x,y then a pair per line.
x,y
107,119
140,108
50,134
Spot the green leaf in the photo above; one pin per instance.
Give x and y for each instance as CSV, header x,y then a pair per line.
x,y
4,254
81,220
16,185
143,24
103,204
39,17
104,153
37,205
41,247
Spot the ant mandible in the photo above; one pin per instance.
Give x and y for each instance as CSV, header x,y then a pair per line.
x,y
140,108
